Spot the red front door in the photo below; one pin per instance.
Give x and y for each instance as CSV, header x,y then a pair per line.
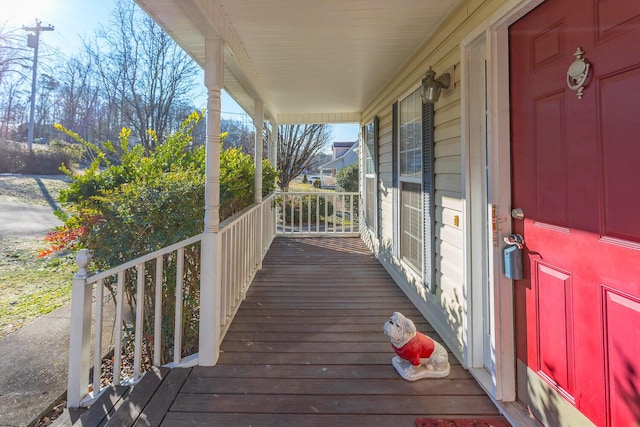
x,y
576,176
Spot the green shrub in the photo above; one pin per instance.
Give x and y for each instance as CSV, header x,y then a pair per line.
x,y
313,207
150,200
347,179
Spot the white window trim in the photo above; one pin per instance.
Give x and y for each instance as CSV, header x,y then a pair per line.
x,y
407,179
372,223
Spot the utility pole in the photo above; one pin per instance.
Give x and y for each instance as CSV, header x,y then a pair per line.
x,y
33,40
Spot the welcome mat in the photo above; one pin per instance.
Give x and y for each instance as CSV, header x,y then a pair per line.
x,y
461,422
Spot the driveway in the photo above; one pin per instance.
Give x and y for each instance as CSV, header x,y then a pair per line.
x,y
26,220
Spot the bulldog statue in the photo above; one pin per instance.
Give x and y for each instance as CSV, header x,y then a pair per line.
x,y
418,356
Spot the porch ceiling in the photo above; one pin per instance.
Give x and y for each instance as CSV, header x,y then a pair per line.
x,y
307,60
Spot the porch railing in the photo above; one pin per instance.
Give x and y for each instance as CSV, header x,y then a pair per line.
x,y
244,239
318,213
242,254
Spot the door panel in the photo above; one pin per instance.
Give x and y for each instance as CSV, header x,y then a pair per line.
x,y
575,174
550,159
555,336
620,160
623,363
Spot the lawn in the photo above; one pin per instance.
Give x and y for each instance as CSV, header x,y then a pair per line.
x,y
298,186
31,287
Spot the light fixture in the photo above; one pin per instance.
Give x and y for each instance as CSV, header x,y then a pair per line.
x,y
431,86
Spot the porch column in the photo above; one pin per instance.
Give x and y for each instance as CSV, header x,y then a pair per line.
x,y
258,122
274,144
210,261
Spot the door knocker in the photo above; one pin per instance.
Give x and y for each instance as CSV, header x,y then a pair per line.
x,y
578,73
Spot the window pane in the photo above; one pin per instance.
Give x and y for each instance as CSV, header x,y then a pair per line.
x,y
410,138
370,189
411,225
369,164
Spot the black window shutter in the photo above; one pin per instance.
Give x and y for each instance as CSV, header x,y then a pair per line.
x,y
394,175
428,237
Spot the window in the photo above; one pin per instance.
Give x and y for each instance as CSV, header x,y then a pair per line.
x,y
370,174
410,181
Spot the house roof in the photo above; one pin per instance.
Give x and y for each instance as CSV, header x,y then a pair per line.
x,y
337,144
346,159
306,60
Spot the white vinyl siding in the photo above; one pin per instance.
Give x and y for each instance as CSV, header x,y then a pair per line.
x,y
441,51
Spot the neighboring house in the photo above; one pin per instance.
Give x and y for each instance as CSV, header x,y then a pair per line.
x,y
537,135
344,154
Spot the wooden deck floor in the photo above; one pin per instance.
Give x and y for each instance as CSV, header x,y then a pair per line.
x,y
307,349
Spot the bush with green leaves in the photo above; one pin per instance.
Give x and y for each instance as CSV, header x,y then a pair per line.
x,y
347,179
313,208
149,200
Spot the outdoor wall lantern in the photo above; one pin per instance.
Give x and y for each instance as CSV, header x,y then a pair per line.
x,y
431,86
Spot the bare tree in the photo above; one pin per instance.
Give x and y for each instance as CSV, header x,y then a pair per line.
x,y
239,135
78,95
297,146
14,66
14,58
143,70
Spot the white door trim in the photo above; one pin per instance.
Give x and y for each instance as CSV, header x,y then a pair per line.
x,y
475,171
500,384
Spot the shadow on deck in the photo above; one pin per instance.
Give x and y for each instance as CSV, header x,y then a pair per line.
x,y
306,349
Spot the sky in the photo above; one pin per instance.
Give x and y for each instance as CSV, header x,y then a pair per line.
x,y
74,19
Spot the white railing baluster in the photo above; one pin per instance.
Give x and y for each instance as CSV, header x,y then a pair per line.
x,y
351,199
326,214
317,197
137,349
117,351
342,203
157,321
177,337
224,292
97,351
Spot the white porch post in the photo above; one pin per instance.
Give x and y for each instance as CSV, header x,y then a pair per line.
x,y
258,122
274,146
80,333
210,264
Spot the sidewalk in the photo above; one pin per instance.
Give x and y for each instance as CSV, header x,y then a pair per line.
x,y
33,368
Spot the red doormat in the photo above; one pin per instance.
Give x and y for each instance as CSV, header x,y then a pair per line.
x,y
461,422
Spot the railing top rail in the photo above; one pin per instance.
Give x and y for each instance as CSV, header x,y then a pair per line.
x,y
323,193
144,258
238,216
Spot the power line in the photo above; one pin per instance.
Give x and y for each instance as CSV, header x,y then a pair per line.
x,y
33,40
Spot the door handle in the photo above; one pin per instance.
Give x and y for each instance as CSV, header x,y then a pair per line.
x,y
517,213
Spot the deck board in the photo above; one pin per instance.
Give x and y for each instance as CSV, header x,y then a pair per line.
x,y
307,349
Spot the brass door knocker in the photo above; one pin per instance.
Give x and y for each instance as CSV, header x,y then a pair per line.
x,y
578,73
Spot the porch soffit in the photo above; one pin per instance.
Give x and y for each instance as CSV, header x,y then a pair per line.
x,y
307,60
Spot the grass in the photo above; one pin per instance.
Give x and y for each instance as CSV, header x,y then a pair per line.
x,y
42,190
298,186
31,287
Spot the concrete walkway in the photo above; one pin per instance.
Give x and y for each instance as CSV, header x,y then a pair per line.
x,y
33,368
26,220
